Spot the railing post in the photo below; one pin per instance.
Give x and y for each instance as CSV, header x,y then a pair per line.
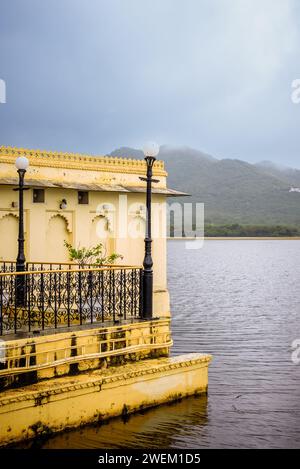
x,y
55,300
90,283
68,297
1,305
15,305
141,296
134,292
80,297
42,301
28,292
113,296
122,309
101,286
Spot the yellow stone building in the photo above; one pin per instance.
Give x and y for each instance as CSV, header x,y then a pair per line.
x,y
105,202
75,346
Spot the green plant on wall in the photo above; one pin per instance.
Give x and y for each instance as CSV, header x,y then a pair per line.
x,y
91,256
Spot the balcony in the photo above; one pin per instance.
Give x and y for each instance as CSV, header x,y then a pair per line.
x,y
62,295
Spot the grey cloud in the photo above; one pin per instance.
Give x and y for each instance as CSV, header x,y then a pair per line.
x,y
212,74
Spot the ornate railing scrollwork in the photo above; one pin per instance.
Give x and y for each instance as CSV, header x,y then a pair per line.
x,y
64,298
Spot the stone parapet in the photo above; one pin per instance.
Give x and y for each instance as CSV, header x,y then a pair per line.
x,y
28,360
58,404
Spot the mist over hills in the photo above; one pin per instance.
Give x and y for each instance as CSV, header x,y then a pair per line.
x,y
232,190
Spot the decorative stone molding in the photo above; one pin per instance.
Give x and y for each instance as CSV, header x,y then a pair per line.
x,y
80,161
7,213
14,213
97,379
67,216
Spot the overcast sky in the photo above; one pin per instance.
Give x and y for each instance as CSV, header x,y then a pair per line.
x,y
93,75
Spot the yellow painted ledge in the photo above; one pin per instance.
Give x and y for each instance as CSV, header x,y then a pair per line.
x,y
58,404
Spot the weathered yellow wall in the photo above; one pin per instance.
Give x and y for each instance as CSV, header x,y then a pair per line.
x,y
8,234
34,358
61,403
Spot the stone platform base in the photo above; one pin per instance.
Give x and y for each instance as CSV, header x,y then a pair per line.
x,y
60,403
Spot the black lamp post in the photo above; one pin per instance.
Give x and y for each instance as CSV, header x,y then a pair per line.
x,y
150,151
22,164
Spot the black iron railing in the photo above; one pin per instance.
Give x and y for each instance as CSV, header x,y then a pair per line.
x,y
65,298
10,266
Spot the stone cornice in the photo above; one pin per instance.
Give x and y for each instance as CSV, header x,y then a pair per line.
x,y
79,161
98,379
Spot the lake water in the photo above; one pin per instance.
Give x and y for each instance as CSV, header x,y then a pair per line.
x,y
239,301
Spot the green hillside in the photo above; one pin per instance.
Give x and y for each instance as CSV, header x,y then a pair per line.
x,y
232,190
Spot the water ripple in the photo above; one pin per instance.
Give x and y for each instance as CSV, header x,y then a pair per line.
x,y
240,301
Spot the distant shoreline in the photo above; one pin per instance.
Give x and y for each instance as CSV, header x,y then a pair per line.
x,y
236,238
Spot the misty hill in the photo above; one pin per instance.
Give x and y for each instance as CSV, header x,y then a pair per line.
x,y
232,190
290,175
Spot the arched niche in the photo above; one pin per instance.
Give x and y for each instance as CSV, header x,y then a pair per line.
x,y
57,233
9,230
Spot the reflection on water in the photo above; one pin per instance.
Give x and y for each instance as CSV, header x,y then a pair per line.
x,y
240,301
161,427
